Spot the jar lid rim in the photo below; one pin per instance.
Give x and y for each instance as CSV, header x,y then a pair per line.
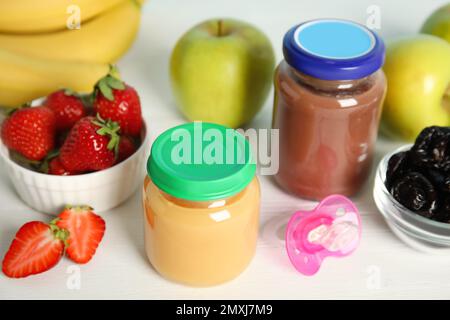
x,y
333,49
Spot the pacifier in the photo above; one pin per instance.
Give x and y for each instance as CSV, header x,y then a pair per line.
x,y
332,229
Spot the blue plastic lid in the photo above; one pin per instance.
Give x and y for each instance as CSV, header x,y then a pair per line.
x,y
332,49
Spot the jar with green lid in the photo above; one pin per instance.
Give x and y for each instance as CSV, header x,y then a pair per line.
x,y
201,204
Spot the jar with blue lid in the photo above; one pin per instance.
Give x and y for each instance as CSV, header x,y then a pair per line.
x,y
329,92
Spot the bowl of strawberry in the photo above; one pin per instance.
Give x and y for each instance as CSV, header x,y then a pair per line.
x,y
72,148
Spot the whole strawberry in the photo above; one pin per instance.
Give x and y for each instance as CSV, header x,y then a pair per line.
x,y
91,145
126,148
119,102
55,167
30,132
68,108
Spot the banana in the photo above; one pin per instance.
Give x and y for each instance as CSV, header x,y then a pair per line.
x,y
23,79
31,16
103,39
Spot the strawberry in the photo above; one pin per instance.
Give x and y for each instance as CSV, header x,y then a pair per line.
x,y
60,138
68,108
51,164
126,148
86,230
91,145
36,248
119,102
55,167
30,132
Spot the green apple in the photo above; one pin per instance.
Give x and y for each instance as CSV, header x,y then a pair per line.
x,y
221,71
418,75
438,23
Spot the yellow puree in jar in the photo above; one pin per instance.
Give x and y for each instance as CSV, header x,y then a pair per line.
x,y
200,243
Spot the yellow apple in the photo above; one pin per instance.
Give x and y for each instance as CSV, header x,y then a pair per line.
x,y
438,23
418,75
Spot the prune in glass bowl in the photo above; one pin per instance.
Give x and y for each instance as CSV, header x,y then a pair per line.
x,y
396,167
432,148
419,178
412,189
421,233
416,193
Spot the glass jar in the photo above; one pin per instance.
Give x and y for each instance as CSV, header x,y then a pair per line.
x,y
329,92
201,218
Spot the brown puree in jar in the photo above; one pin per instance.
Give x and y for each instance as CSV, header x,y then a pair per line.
x,y
327,131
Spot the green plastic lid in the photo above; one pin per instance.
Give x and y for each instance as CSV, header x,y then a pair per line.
x,y
201,161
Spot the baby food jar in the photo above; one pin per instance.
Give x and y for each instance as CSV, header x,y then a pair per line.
x,y
201,204
329,91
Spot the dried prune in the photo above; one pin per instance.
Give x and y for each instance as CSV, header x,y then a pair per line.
x,y
443,213
435,176
432,148
396,167
415,192
420,178
446,185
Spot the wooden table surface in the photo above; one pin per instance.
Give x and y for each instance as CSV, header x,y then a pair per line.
x,y
383,267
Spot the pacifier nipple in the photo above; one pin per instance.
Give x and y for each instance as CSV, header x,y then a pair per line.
x,y
336,237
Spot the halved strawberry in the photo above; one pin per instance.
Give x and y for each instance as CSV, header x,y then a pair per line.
x,y
36,248
86,230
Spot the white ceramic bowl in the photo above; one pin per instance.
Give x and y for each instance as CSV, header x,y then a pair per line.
x,y
101,190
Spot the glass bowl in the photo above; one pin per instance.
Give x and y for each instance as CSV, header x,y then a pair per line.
x,y
423,234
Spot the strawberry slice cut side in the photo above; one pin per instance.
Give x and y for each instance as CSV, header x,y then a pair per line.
x,y
37,247
86,230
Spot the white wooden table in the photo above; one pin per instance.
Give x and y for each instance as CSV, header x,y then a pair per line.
x,y
382,267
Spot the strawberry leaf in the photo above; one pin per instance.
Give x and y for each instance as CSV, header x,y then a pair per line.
x,y
69,92
115,83
114,143
109,82
9,111
105,90
114,71
102,131
100,119
44,166
110,128
59,233
87,99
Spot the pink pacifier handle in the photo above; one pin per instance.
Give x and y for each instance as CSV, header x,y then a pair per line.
x,y
333,228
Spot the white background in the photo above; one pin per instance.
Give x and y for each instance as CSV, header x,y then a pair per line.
x,y
120,268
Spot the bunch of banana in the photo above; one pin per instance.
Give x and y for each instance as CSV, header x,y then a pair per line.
x,y
31,16
23,79
42,49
